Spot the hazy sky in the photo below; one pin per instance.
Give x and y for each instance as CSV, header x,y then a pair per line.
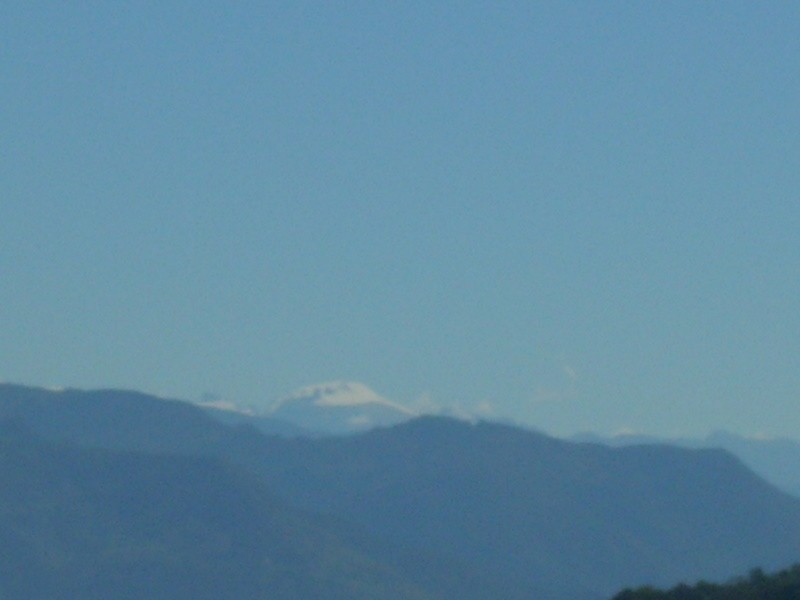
x,y
585,215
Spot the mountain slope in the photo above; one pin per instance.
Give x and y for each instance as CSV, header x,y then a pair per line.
x,y
118,419
574,519
775,459
264,424
81,523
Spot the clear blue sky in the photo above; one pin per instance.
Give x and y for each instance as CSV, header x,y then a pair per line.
x,y
585,214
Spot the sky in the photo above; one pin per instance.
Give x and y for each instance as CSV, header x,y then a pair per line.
x,y
574,215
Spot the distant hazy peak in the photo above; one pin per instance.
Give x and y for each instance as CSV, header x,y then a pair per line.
x,y
340,407
342,394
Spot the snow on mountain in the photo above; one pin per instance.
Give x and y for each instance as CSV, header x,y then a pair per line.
x,y
343,393
225,406
340,407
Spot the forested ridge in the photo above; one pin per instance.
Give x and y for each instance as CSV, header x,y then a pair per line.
x,y
782,585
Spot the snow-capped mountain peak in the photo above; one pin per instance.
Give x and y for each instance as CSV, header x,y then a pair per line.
x,y
340,407
343,393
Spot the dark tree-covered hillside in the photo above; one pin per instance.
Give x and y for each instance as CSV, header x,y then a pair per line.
x,y
783,585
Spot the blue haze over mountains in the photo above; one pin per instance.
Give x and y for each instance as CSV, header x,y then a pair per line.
x,y
580,216
114,489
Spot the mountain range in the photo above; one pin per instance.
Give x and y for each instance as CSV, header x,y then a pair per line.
x,y
350,407
114,488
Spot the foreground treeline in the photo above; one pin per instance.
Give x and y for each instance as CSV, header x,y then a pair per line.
x,y
784,585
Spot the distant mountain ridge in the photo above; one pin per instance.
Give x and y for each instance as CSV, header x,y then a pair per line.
x,y
575,519
529,515
775,459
